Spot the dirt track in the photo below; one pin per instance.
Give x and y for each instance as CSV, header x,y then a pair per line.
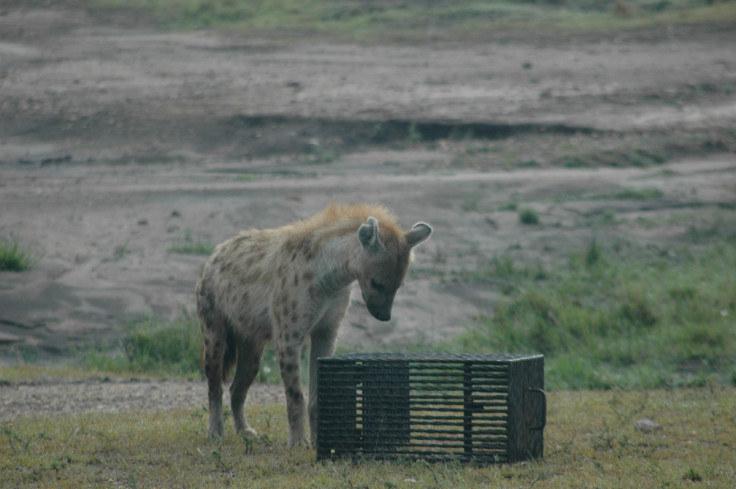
x,y
116,142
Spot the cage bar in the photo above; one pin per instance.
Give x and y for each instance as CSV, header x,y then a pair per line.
x,y
464,407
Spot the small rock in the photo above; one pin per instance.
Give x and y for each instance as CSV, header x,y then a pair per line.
x,y
647,425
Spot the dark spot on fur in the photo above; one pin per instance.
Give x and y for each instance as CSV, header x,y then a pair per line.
x,y
308,276
293,393
290,368
296,280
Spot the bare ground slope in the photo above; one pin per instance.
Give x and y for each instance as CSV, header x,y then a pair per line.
x,y
117,142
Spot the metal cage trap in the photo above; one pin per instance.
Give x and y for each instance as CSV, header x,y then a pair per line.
x,y
466,407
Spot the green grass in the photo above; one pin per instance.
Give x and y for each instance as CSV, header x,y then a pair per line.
x,y
645,193
190,246
610,318
607,317
590,441
528,215
156,346
395,20
14,257
151,346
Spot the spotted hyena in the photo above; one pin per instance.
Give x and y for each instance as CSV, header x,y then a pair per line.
x,y
289,284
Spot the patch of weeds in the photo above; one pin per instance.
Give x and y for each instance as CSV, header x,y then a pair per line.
x,y
120,251
529,215
640,158
269,372
14,257
647,193
511,205
616,316
321,155
189,246
247,178
439,255
576,161
470,203
414,135
692,475
593,254
152,345
529,163
17,444
628,193
473,149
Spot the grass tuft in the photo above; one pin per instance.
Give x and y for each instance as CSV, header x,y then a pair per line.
x,y
189,246
14,257
528,215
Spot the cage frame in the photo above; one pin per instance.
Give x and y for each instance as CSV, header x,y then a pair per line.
x,y
372,405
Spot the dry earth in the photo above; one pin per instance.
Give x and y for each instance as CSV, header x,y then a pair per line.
x,y
117,141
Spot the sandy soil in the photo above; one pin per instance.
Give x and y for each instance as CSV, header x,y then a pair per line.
x,y
53,396
117,141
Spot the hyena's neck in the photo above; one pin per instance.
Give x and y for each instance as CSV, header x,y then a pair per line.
x,y
333,265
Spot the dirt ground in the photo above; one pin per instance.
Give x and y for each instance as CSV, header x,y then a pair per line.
x,y
118,141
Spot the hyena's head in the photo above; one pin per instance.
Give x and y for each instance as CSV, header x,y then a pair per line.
x,y
383,263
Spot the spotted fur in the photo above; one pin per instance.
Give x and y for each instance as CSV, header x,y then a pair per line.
x,y
288,285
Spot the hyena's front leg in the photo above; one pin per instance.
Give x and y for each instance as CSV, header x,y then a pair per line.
x,y
289,363
323,345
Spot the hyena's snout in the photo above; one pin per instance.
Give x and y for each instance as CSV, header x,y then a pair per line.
x,y
380,307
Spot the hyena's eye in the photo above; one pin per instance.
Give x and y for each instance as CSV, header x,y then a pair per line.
x,y
378,287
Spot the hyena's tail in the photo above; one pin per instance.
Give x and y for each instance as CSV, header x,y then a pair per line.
x,y
231,355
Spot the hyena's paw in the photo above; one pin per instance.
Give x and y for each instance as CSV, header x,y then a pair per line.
x,y
214,435
298,441
247,432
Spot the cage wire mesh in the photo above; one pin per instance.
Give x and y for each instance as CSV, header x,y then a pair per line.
x,y
464,407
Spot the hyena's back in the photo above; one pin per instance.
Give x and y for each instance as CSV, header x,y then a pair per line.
x,y
232,294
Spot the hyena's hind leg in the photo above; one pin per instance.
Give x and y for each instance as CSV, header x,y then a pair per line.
x,y
214,335
250,353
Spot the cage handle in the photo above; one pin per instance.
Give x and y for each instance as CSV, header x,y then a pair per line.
x,y
544,408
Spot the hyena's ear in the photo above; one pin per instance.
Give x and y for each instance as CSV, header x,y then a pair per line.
x,y
368,234
419,233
